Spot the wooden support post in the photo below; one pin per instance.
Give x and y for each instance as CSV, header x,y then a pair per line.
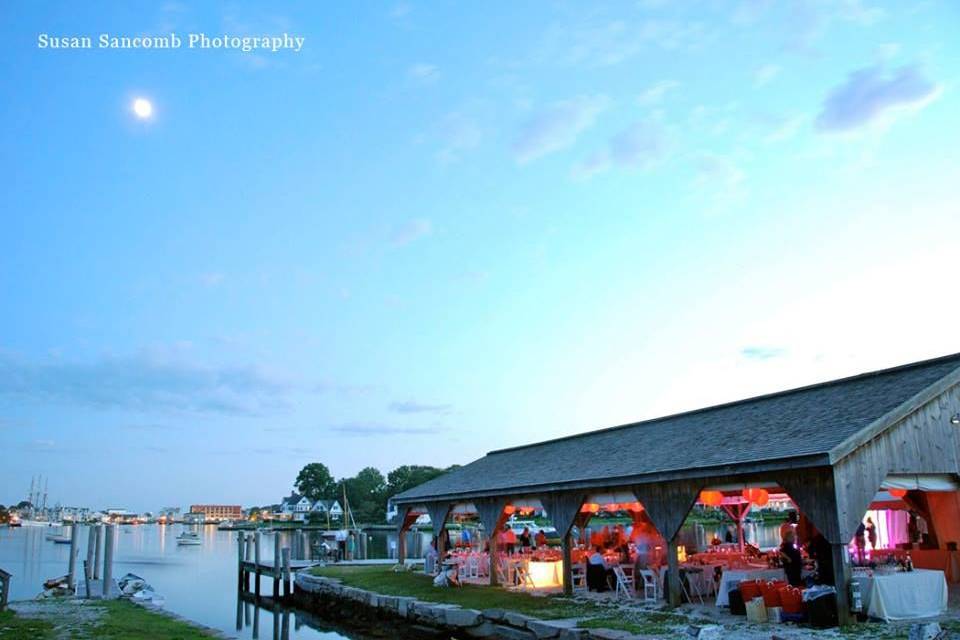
x,y
256,618
286,572
841,577
363,546
276,565
74,550
401,546
276,620
285,625
239,613
240,545
247,557
494,558
256,564
91,548
568,564
108,559
86,578
98,555
673,573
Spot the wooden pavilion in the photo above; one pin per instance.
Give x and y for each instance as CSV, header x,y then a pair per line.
x,y
830,446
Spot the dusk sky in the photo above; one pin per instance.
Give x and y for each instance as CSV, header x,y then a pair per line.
x,y
444,228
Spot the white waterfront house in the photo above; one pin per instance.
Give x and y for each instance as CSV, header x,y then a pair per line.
x,y
295,507
330,508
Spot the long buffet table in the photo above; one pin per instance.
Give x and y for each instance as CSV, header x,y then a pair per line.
x,y
921,593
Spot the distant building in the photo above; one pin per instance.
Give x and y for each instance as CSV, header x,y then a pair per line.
x,y
329,508
218,512
295,507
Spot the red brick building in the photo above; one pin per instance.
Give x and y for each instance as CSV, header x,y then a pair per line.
x,y
218,511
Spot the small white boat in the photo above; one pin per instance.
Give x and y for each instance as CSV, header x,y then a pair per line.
x,y
189,538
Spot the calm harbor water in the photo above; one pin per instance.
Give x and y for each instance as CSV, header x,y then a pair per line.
x,y
198,582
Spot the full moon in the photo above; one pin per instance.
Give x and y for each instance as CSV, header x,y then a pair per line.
x,y
142,108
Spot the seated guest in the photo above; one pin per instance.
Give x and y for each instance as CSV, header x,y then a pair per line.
x,y
541,539
597,572
791,558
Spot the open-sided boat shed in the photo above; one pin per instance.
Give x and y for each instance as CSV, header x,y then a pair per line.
x,y
830,446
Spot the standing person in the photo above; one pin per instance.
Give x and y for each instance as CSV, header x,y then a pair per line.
x,y
860,540
789,525
508,540
819,549
792,560
351,546
525,540
871,533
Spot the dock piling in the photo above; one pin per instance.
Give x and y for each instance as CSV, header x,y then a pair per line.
x,y
256,562
241,543
286,571
98,554
276,565
108,559
72,566
88,564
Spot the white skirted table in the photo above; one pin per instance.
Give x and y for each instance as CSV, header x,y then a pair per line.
x,y
910,595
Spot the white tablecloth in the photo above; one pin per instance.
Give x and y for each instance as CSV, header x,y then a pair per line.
x,y
732,577
921,593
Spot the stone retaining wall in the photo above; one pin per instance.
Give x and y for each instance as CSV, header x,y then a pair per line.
x,y
329,596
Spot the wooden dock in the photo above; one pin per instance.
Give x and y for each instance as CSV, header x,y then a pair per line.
x,y
280,570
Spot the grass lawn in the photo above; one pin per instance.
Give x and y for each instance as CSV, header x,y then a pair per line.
x,y
13,627
110,620
593,615
126,620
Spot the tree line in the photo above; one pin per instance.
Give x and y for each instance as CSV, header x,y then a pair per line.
x,y
367,492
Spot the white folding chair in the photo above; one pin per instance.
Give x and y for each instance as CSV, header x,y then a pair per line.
x,y
624,582
651,593
578,572
473,567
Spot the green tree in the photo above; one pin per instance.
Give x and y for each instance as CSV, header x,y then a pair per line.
x,y
366,493
315,482
410,476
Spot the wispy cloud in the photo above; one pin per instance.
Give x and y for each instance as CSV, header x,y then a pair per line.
x,y
655,94
762,353
423,73
458,134
411,406
145,381
872,95
365,429
409,231
557,127
765,74
640,146
212,279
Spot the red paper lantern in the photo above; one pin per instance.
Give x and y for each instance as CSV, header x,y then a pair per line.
x,y
590,507
711,498
633,506
759,497
897,493
509,509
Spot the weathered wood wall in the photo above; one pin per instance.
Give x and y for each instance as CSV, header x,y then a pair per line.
x,y
924,441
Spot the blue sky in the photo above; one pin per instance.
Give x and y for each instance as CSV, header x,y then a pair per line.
x,y
441,229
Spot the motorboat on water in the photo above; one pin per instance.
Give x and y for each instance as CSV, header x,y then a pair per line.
x,y
189,538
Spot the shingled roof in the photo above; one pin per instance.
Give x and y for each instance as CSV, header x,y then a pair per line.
x,y
798,427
